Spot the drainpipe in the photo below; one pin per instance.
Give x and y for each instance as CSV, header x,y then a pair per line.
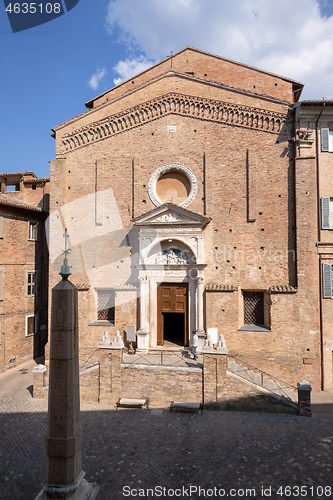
x,y
320,263
4,341
317,173
44,194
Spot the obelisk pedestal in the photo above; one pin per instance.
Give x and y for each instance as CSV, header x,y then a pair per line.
x,y
64,477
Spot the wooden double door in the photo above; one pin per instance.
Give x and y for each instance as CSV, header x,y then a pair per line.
x,y
172,313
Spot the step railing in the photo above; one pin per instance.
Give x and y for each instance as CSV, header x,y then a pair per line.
x,y
262,379
85,360
162,357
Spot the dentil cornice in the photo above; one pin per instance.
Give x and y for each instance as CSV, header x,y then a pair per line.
x,y
176,104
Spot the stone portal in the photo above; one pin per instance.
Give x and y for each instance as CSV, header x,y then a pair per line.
x,y
171,275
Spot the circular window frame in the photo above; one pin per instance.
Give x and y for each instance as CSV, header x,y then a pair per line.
x,y
178,167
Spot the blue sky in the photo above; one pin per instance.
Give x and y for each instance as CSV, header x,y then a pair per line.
x,y
49,72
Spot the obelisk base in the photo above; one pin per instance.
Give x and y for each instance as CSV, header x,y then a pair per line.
x,y
80,490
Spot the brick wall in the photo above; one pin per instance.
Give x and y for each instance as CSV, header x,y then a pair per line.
x,y
89,383
107,380
247,184
245,398
19,255
211,68
161,386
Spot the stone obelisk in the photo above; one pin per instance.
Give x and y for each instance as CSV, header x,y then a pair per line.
x,y
64,475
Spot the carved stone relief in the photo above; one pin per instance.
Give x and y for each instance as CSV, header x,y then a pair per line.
x,y
172,256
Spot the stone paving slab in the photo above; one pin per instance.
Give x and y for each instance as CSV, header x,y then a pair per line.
x,y
137,450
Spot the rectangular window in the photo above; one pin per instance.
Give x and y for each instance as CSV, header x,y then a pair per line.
x,y
254,313
30,325
106,305
32,285
327,281
326,212
326,139
33,231
12,188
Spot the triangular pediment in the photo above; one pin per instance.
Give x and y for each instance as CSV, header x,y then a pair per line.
x,y
171,215
200,108
190,61
208,88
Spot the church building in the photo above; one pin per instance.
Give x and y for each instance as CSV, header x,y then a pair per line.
x,y
187,212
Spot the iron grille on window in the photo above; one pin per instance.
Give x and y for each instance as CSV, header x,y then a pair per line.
x,y
105,305
254,308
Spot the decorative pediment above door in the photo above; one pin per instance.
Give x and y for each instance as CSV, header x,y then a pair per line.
x,y
169,231
170,214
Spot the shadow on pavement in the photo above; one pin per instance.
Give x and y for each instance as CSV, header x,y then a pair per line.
x,y
142,449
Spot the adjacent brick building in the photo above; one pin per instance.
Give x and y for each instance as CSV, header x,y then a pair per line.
x,y
314,155
24,203
187,211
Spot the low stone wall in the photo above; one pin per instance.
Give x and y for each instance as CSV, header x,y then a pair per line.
x,y
243,397
89,383
161,385
108,379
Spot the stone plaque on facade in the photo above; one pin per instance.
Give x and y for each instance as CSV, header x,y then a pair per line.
x,y
130,333
212,334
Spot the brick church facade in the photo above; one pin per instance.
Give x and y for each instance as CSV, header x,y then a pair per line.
x,y
187,211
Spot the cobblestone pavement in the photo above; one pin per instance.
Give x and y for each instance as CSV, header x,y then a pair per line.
x,y
128,451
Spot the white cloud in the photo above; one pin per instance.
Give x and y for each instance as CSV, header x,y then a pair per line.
x,y
291,38
96,78
131,67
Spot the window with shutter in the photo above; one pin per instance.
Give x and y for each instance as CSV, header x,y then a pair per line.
x,y
326,139
325,212
327,281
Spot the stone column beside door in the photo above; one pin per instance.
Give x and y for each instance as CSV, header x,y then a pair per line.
x,y
143,332
200,313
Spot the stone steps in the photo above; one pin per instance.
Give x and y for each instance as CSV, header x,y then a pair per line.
x,y
256,377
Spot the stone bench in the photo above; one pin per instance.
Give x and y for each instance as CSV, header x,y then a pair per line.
x,y
132,403
186,407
